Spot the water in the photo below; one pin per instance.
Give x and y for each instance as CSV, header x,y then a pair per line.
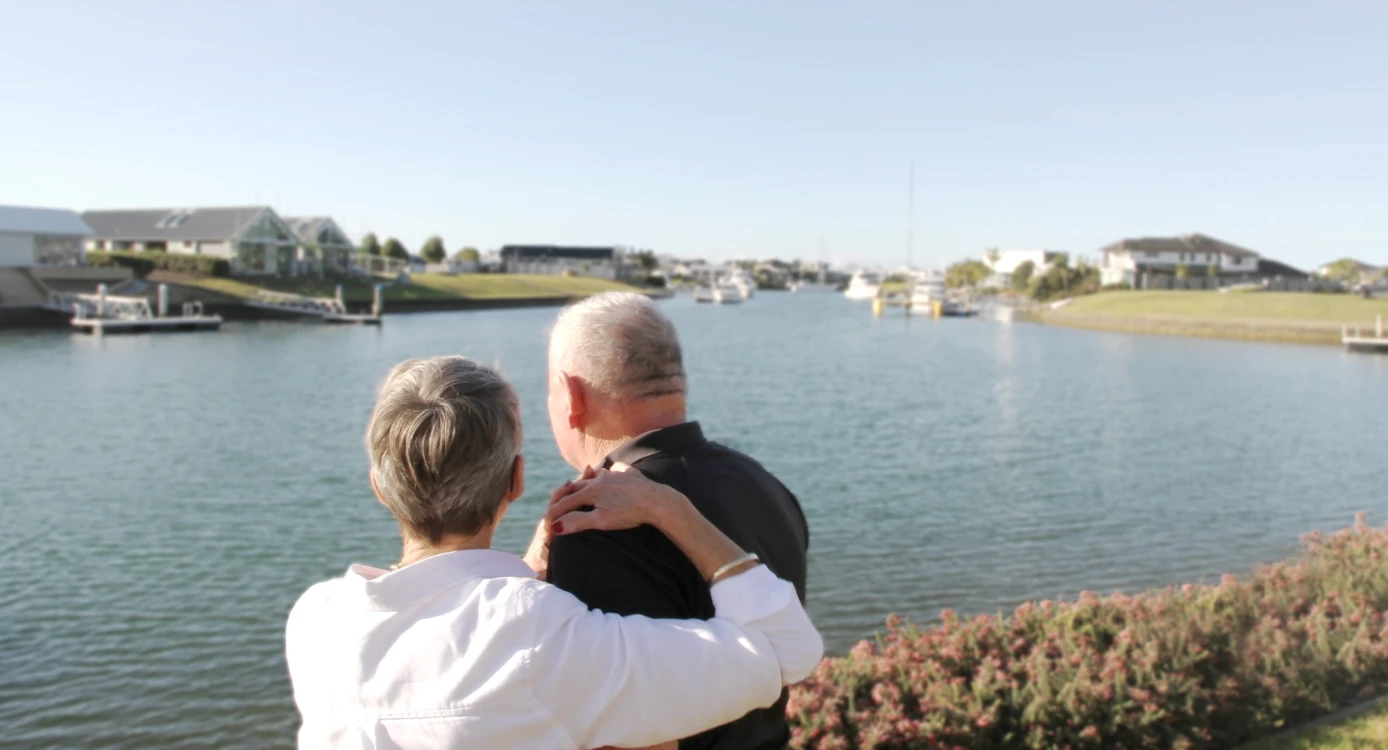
x,y
166,498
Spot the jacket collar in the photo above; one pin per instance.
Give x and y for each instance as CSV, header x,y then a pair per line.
x,y
665,440
397,589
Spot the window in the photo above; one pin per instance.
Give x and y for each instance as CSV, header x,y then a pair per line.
x,y
1152,254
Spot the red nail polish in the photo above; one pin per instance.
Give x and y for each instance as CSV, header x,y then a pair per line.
x,y
557,528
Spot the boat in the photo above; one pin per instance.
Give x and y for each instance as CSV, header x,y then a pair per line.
x,y
812,286
863,285
744,283
703,293
726,293
927,290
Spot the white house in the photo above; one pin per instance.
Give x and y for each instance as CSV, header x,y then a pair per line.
x,y
41,237
1126,261
1003,262
323,245
599,262
254,239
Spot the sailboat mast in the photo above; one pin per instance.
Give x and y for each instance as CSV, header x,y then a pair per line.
x,y
911,215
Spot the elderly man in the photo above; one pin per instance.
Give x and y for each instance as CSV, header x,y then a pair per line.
x,y
617,394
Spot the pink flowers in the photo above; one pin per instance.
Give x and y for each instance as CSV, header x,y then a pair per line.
x,y
1195,666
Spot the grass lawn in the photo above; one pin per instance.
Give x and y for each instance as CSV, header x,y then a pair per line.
x,y
425,286
1280,307
1366,730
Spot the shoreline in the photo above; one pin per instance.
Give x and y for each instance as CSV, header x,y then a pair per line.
x,y
1283,332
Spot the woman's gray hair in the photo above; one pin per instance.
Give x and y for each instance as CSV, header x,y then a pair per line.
x,y
443,441
622,344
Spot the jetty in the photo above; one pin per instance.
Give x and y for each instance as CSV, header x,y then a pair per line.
x,y
1359,342
103,313
327,309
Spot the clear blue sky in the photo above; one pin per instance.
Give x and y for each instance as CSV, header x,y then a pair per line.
x,y
719,129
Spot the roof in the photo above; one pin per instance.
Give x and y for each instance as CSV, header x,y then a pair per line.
x,y
42,221
172,223
558,251
307,228
1268,267
1359,265
1190,243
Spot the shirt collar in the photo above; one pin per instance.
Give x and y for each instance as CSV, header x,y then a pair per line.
x,y
664,440
397,589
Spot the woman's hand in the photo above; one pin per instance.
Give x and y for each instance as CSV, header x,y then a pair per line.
x,y
619,498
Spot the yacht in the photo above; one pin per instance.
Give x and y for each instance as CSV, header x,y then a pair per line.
x,y
927,289
863,285
744,283
812,286
727,292
703,293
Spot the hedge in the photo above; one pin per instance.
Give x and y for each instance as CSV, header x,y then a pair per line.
x,y
141,263
1189,667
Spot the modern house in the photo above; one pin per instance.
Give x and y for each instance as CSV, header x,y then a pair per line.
x,y
323,246
1351,271
599,262
1138,262
253,238
41,237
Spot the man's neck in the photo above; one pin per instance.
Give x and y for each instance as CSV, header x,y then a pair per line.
x,y
634,420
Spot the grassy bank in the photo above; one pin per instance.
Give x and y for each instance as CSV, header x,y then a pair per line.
x,y
1363,731
425,287
1195,667
1266,316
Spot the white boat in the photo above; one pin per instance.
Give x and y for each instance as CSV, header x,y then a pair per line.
x,y
812,286
727,293
703,293
863,285
744,283
927,290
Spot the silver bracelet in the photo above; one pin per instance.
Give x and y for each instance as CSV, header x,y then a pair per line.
x,y
718,574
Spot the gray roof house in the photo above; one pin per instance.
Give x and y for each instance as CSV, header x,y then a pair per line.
x,y
323,245
1132,261
253,238
40,236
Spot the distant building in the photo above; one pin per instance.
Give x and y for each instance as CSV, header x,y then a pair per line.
x,y
323,246
254,239
1003,262
1361,272
41,237
599,262
1135,261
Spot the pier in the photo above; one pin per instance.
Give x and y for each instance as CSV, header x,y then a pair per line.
x,y
327,309
103,313
1357,342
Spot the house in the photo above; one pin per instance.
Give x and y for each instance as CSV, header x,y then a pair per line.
x,y
1003,262
600,262
254,239
323,246
41,237
1350,271
1137,262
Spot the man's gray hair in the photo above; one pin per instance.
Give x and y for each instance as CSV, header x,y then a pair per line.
x,y
622,344
443,442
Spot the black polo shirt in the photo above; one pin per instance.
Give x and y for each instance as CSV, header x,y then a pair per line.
x,y
641,572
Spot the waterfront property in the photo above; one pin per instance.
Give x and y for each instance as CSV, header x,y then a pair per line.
x,y
1147,262
254,239
323,246
1003,262
41,237
599,262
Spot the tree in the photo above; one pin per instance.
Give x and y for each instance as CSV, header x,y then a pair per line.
x,y
370,245
393,249
1344,269
1021,275
992,256
645,260
967,273
433,251
469,255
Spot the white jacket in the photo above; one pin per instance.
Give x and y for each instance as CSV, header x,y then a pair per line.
x,y
468,650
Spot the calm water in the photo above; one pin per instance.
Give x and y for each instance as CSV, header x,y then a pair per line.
x,y
165,499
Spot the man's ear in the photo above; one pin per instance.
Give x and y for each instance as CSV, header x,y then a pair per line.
x,y
517,487
578,399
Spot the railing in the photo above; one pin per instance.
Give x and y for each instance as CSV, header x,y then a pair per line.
x,y
99,305
300,303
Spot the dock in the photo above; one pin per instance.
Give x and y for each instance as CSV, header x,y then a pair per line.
x,y
326,309
1359,342
103,313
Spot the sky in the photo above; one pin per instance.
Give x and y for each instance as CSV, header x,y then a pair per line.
x,y
720,129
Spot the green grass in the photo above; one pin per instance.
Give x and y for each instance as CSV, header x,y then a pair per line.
x,y
1361,732
1250,307
425,286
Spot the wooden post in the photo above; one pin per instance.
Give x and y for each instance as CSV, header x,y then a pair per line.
x,y
100,300
376,305
1379,325
163,308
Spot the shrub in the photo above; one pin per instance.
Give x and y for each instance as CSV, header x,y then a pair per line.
x,y
1189,667
141,263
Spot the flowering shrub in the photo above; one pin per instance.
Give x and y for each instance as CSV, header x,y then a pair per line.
x,y
1189,667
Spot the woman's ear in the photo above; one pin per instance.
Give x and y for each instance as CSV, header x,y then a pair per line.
x,y
376,488
517,487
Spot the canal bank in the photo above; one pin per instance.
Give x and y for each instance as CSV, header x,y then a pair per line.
x,y
1245,316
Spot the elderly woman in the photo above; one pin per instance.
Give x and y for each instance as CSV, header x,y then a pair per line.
x,y
459,645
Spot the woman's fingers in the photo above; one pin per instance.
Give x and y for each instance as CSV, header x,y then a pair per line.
x,y
572,523
581,498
